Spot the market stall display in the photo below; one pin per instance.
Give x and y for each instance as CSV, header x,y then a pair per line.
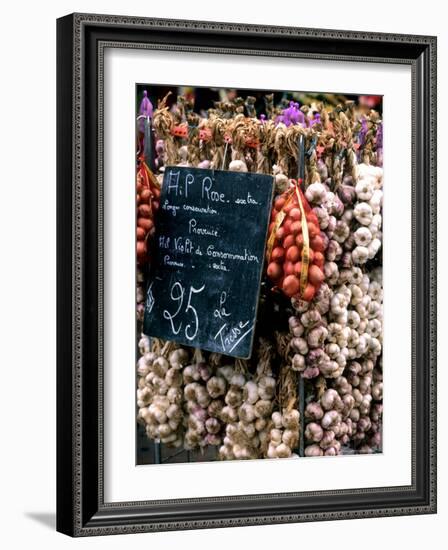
x,y
313,383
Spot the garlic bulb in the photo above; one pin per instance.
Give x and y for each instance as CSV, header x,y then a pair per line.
x,y
284,436
247,422
159,393
205,408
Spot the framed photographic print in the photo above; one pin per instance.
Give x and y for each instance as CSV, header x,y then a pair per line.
x,y
246,274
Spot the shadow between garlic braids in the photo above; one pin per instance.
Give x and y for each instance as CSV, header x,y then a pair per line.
x,y
193,399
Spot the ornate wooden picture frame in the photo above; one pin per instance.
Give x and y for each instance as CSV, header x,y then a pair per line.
x,y
81,42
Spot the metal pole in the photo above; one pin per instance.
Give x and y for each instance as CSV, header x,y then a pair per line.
x,y
301,158
157,452
149,146
302,415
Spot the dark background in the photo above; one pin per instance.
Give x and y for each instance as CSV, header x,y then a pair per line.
x,y
204,97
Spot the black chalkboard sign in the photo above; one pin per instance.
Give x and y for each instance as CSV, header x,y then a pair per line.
x,y
206,270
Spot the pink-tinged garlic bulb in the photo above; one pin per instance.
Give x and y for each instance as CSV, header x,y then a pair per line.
x,y
204,389
284,436
281,182
238,166
159,393
284,433
248,421
316,193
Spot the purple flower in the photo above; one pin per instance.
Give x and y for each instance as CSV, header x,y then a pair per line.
x,y
379,144
315,119
379,136
146,105
279,119
362,136
363,132
291,115
145,110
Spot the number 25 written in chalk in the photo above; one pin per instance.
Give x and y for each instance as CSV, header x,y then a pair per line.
x,y
177,294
